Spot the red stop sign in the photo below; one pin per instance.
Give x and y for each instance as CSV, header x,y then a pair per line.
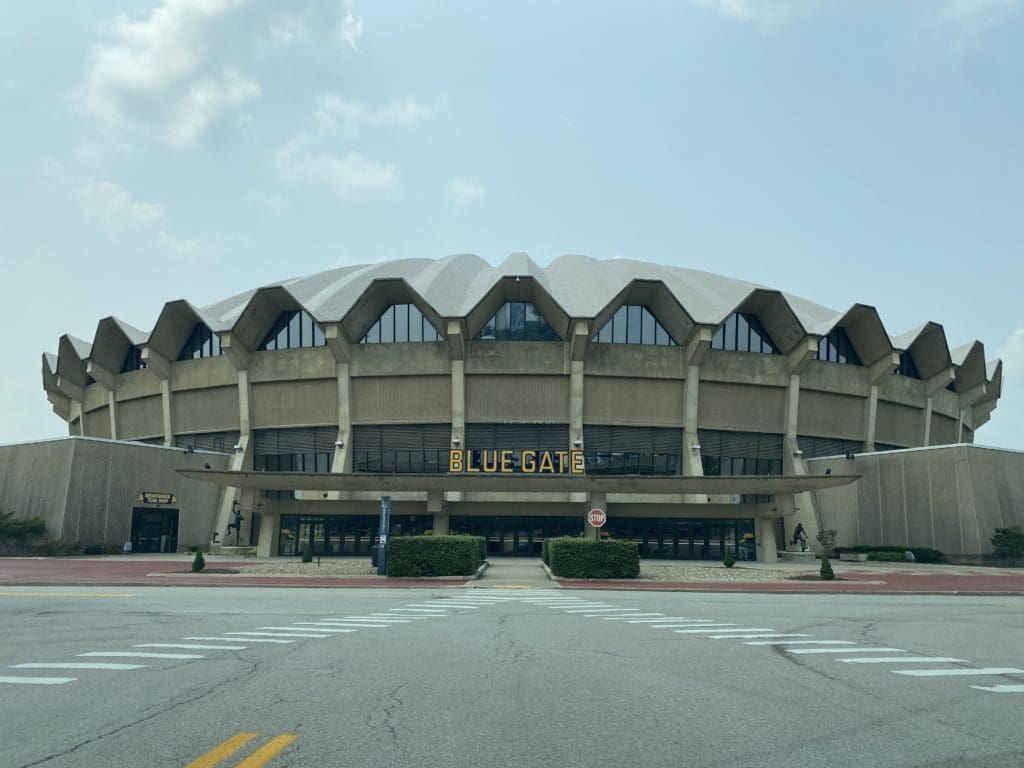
x,y
597,517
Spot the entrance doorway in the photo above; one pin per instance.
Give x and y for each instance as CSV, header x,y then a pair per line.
x,y
509,535
154,530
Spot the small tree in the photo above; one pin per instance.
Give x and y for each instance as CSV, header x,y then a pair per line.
x,y
199,562
827,539
307,555
730,558
19,531
826,569
1008,543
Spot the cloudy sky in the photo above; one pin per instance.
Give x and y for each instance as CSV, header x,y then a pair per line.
x,y
844,150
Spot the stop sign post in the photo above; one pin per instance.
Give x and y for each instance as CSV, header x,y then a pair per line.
x,y
597,518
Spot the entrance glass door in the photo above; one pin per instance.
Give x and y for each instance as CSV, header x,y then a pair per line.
x,y
154,530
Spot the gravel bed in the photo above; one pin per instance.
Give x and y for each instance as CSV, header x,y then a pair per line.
x,y
341,566
705,573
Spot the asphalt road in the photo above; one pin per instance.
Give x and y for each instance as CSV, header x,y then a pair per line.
x,y
516,678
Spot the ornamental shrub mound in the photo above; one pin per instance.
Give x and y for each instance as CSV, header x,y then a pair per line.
x,y
576,558
921,554
730,558
307,554
826,570
199,563
1008,543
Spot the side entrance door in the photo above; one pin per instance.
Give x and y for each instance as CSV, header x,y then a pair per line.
x,y
154,530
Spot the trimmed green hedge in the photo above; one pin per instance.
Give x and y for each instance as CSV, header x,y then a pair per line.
x,y
921,554
887,557
576,558
435,555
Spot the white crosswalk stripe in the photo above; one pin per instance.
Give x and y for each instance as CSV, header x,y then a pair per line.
x,y
77,665
633,618
802,642
248,639
375,619
845,650
434,611
192,646
139,655
904,660
299,629
359,624
37,680
246,635
435,606
689,623
712,629
601,610
1000,688
959,672
744,636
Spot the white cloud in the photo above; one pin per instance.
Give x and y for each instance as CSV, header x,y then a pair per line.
x,y
265,200
973,16
113,207
350,175
764,13
464,192
120,215
335,113
179,70
351,28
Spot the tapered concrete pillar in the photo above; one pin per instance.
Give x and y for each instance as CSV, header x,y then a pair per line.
x,y
767,547
595,501
435,507
270,532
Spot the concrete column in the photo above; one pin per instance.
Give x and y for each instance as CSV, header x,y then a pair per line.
x,y
871,419
165,409
691,396
248,498
596,500
270,533
575,403
112,412
435,507
767,547
241,459
342,461
458,412
928,408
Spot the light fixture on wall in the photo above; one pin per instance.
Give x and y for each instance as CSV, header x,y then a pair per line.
x,y
456,441
695,447
850,456
798,453
238,446
578,442
339,443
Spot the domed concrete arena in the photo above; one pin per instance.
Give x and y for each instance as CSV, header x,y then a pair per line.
x,y
508,401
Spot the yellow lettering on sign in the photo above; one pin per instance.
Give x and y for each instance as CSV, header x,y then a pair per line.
x,y
547,464
455,460
529,461
506,461
562,456
579,466
492,465
470,466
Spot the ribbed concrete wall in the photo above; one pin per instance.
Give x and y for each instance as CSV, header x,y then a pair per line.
x,y
950,497
34,480
85,489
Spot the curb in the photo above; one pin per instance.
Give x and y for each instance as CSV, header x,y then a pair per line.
x,y
479,571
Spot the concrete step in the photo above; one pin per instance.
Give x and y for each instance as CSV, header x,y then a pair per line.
x,y
798,556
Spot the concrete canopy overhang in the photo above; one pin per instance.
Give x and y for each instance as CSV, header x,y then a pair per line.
x,y
659,300
518,483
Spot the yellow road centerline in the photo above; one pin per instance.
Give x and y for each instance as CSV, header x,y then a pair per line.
x,y
222,750
268,751
65,594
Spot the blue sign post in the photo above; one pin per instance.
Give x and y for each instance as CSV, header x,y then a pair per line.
x,y
382,540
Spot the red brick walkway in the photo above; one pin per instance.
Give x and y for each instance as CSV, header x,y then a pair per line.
x,y
109,571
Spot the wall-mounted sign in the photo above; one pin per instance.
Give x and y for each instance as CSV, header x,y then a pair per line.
x,y
506,461
156,497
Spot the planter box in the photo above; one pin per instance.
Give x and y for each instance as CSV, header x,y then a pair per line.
x,y
860,557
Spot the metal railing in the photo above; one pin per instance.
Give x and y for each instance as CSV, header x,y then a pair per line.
x,y
621,463
399,462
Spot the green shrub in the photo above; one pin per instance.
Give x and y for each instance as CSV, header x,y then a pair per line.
x,y
827,539
887,557
435,555
21,532
544,551
307,554
577,558
199,562
113,549
1008,543
826,570
50,548
92,549
730,558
